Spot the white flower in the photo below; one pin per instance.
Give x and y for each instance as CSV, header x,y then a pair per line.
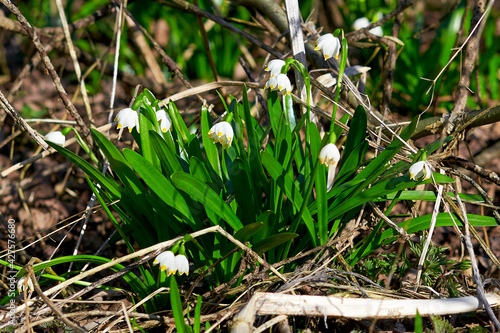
x,y
420,169
280,82
56,137
363,22
271,83
223,133
164,120
329,155
128,118
182,264
167,262
283,83
275,66
20,284
172,263
329,45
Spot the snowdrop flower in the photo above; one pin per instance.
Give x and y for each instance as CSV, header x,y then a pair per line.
x,y
172,263
164,120
363,22
275,66
20,284
182,264
56,137
280,82
128,118
419,170
271,83
329,155
283,83
223,133
329,45
167,262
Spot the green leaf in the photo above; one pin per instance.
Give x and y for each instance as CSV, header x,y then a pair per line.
x,y
357,132
245,233
136,283
205,195
197,315
147,122
275,110
175,301
243,190
110,215
370,173
256,169
178,123
419,325
273,241
423,223
108,184
118,163
159,184
292,191
380,189
355,146
337,129
322,204
167,156
428,196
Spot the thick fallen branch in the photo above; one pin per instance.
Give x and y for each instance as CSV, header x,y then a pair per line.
x,y
352,308
470,119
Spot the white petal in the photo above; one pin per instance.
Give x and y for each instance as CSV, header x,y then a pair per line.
x,y
166,261
283,83
182,264
420,169
275,66
329,155
164,120
361,23
128,118
20,284
56,137
223,133
329,45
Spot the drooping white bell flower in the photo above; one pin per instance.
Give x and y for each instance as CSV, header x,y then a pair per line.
x,y
172,264
128,118
275,66
56,137
283,84
167,262
182,264
280,82
363,22
329,45
164,120
222,132
20,284
420,169
329,155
